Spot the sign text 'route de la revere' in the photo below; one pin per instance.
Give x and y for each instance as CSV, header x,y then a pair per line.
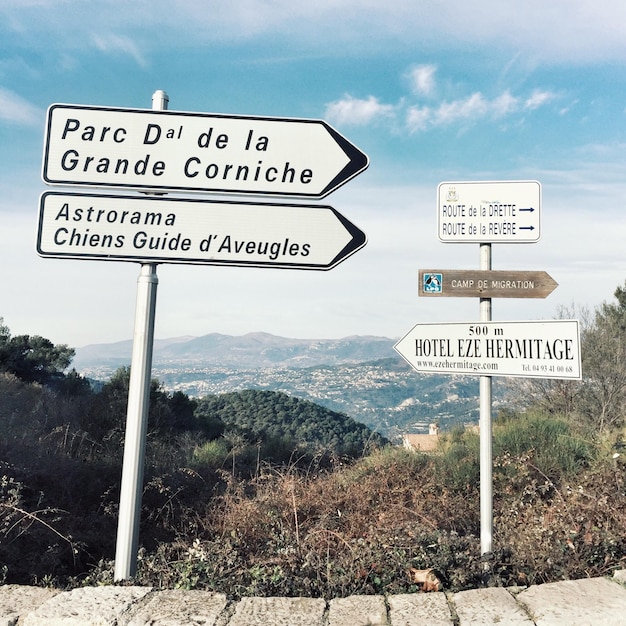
x,y
169,230
485,284
489,212
534,349
167,150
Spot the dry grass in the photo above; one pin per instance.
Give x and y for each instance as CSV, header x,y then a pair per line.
x,y
362,528
311,527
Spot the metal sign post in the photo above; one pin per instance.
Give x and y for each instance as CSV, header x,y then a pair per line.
x,y
137,414
486,213
485,386
136,425
160,151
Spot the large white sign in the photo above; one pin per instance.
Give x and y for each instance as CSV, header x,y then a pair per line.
x,y
121,228
140,149
489,212
541,349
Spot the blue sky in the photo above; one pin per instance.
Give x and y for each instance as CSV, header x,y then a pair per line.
x,y
432,91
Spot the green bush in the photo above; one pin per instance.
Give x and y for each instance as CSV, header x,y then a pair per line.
x,y
459,461
212,454
549,442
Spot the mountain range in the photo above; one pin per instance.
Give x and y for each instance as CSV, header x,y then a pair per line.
x,y
361,376
253,350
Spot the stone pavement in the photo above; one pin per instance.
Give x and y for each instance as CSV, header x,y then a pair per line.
x,y
587,602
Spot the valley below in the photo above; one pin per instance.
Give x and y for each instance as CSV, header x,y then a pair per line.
x,y
360,376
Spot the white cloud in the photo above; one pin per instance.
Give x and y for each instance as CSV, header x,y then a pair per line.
x,y
356,111
16,110
504,104
422,79
555,32
418,118
472,109
119,44
538,98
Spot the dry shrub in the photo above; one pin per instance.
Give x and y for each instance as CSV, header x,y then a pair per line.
x,y
569,530
358,528
363,527
316,529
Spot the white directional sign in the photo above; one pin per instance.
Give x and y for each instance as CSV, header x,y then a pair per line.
x,y
141,150
489,212
535,349
155,230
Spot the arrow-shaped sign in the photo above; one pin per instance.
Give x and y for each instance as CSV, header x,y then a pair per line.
x,y
535,349
167,150
485,284
168,230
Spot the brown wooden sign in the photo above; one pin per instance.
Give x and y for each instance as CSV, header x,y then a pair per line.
x,y
485,284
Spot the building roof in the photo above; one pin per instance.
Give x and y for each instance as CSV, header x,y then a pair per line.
x,y
424,443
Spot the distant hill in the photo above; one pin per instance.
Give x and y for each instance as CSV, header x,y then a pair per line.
x,y
361,376
270,416
245,351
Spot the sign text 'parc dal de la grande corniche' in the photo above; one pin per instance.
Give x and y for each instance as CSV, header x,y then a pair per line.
x,y
162,151
139,149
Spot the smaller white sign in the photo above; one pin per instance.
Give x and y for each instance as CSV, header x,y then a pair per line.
x,y
489,212
535,349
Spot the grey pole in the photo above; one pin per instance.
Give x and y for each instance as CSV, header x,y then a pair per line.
x,y
486,462
137,413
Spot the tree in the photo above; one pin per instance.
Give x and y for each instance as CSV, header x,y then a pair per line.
x,y
283,421
32,358
599,402
167,413
604,365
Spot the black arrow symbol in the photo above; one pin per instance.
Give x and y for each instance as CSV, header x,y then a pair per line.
x,y
529,209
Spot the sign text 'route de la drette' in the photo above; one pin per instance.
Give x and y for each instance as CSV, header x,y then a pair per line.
x,y
489,212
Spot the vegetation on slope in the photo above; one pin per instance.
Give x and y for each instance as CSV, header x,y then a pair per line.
x,y
234,503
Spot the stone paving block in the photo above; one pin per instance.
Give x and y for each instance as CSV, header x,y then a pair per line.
x,y
17,600
587,602
419,609
358,611
492,605
620,576
88,606
181,608
279,612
